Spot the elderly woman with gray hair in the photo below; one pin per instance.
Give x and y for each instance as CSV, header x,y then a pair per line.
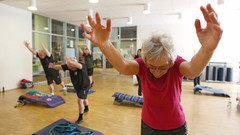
x,y
161,70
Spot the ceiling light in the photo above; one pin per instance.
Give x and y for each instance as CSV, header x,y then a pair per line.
x,y
146,8
32,5
129,20
93,1
72,29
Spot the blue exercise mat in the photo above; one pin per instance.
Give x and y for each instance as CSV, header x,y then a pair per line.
x,y
34,96
51,128
125,99
217,92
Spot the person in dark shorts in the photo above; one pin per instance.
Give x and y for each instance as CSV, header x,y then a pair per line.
x,y
88,60
138,78
51,74
80,81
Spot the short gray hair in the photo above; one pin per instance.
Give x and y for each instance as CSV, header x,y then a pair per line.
x,y
157,45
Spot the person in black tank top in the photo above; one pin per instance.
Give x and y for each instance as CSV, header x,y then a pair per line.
x,y
51,74
80,81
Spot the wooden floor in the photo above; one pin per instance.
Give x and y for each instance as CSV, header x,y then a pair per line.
x,y
205,115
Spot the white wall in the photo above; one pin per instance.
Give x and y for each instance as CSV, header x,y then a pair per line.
x,y
186,41
16,60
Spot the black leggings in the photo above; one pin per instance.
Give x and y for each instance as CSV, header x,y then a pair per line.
x,y
139,86
146,130
197,80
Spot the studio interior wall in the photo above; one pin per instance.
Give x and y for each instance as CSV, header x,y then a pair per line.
x,y
16,60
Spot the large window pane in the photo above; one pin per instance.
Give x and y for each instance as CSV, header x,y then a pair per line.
x,y
40,23
70,30
128,32
57,48
57,27
38,72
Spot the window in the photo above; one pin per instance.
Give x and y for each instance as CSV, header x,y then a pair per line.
x,y
57,27
40,23
57,48
70,30
129,32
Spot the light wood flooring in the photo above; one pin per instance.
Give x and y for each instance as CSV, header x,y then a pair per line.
x,y
205,115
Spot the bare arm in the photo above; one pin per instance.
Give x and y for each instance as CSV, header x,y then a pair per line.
x,y
133,55
45,49
29,48
56,67
73,63
99,35
209,39
80,50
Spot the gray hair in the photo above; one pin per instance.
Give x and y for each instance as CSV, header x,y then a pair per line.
x,y
158,45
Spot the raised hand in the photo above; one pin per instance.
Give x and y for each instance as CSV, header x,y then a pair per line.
x,y
132,45
26,43
210,36
98,34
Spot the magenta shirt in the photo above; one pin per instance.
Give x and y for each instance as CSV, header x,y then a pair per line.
x,y
161,108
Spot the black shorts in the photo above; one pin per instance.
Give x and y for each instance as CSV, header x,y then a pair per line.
x,y
146,130
82,94
56,78
90,71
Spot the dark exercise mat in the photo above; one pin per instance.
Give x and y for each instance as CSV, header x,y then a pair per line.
x,y
45,131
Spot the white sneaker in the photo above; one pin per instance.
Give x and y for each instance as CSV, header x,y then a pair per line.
x,y
65,90
52,94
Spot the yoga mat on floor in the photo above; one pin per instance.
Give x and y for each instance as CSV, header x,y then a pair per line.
x,y
45,131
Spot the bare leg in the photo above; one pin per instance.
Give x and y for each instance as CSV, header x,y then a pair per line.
x,y
90,79
81,110
81,105
85,102
51,88
62,84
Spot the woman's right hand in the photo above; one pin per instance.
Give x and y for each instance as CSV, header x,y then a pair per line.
x,y
97,33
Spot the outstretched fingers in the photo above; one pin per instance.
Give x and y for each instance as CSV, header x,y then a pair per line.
x,y
198,25
210,9
91,21
98,18
205,14
109,27
86,28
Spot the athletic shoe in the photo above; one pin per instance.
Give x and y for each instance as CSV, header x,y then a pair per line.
x,y
65,90
79,121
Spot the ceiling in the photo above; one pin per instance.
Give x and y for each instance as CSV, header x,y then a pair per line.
x,y
75,11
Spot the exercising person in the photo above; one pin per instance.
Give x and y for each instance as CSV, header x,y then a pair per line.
x,y
51,74
161,70
88,60
138,78
80,81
